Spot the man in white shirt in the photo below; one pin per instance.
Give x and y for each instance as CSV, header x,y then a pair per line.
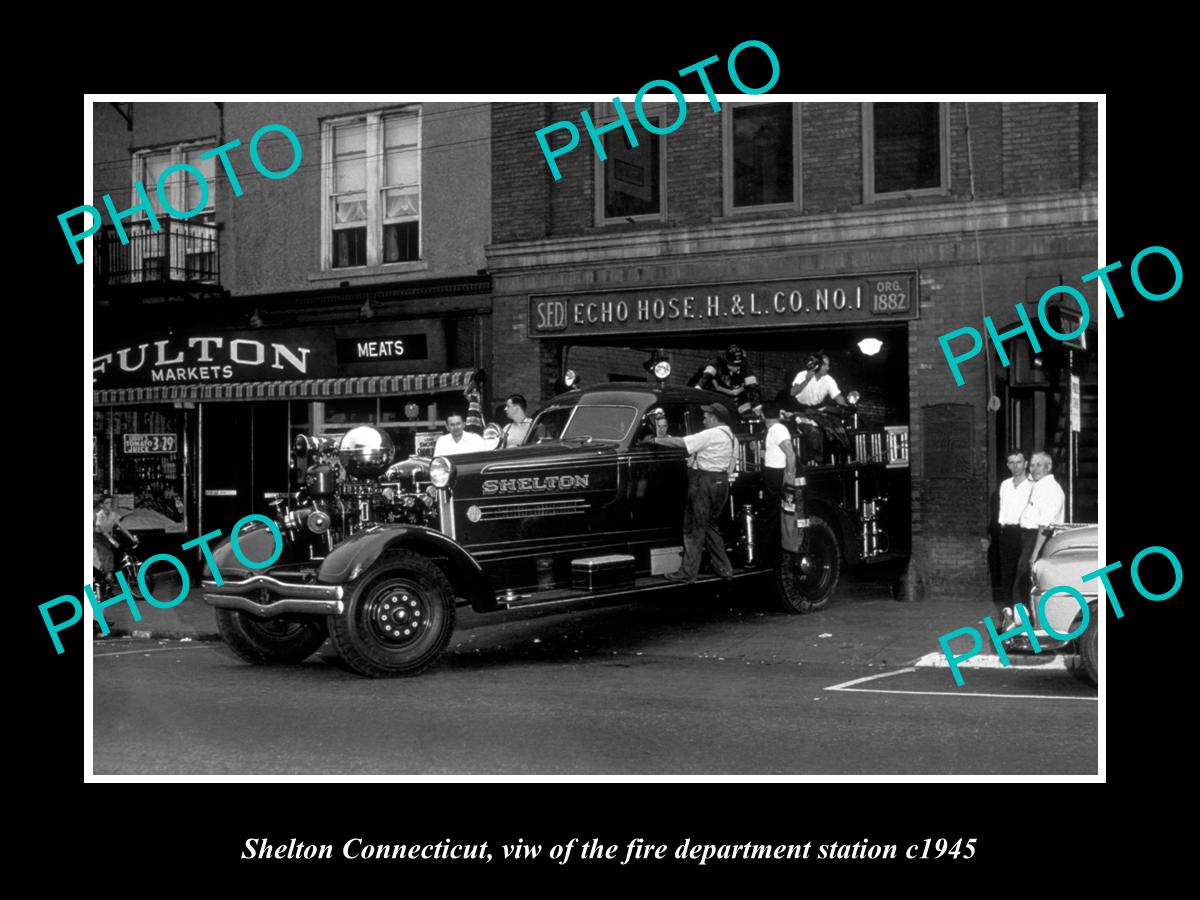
x,y
518,422
1014,497
458,440
708,489
812,388
815,385
1046,506
779,469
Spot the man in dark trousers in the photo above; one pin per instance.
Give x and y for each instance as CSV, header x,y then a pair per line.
x,y
779,469
1014,497
708,489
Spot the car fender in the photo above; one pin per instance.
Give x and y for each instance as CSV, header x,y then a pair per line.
x,y
257,542
349,559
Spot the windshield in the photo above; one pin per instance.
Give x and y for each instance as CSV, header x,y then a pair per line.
x,y
598,423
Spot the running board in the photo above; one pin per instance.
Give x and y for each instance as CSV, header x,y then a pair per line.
x,y
642,585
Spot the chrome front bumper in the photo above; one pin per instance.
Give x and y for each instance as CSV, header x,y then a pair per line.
x,y
284,598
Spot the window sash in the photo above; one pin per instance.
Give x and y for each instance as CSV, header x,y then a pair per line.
x,y
182,190
870,193
391,152
603,114
793,203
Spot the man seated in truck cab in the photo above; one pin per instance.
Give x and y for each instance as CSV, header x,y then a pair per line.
x,y
660,422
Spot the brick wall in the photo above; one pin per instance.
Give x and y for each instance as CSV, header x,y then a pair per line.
x,y
1015,148
1041,148
520,177
831,156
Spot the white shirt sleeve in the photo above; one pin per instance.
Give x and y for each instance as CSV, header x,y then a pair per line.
x,y
697,442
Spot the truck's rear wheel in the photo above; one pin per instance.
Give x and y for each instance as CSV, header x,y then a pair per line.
x,y
266,642
806,581
398,618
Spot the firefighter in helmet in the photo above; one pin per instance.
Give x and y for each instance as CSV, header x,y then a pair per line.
x,y
730,375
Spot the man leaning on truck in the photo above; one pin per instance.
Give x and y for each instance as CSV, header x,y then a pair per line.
x,y
708,489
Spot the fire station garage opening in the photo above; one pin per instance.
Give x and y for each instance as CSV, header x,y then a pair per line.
x,y
872,361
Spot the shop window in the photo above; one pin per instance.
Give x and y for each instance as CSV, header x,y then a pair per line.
x,y
906,150
138,456
762,156
372,178
631,182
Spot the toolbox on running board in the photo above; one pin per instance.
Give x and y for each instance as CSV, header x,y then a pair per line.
x,y
602,573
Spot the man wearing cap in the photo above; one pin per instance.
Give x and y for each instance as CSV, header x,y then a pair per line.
x,y
708,489
730,375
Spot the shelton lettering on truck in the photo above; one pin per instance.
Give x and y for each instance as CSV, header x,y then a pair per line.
x,y
528,485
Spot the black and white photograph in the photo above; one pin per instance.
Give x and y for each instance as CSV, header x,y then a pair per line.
x,y
745,434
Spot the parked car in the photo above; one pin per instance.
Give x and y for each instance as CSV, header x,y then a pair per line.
x,y
1068,555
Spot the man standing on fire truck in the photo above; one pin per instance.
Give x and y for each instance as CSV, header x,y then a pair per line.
x,y
730,375
812,389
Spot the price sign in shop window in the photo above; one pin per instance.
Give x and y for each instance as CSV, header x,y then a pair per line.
x,y
150,443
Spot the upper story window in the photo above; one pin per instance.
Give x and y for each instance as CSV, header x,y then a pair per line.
x,y
181,189
762,156
372,174
631,182
906,150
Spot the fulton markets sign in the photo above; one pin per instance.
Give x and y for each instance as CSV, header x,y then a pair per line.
x,y
273,354
792,301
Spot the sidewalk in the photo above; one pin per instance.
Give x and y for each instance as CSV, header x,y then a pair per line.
x,y
191,619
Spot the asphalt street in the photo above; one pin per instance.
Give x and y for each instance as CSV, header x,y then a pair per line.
x,y
697,683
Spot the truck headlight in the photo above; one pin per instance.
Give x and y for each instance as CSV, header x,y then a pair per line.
x,y
441,472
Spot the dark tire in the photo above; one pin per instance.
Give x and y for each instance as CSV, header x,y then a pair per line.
x,y
135,588
805,582
267,642
1089,650
398,619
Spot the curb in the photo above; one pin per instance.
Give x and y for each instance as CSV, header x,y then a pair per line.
x,y
155,634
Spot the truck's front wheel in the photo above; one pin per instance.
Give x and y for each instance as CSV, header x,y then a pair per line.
x,y
806,581
398,618
267,642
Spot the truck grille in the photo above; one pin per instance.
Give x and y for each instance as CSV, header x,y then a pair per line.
x,y
531,510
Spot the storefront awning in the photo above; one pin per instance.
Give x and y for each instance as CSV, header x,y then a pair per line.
x,y
303,389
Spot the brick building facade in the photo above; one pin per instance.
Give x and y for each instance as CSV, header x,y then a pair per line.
x,y
982,205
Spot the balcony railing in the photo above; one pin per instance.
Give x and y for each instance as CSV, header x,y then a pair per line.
x,y
179,252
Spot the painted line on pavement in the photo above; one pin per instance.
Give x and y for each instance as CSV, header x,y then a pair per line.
x,y
152,650
962,694
847,687
938,661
